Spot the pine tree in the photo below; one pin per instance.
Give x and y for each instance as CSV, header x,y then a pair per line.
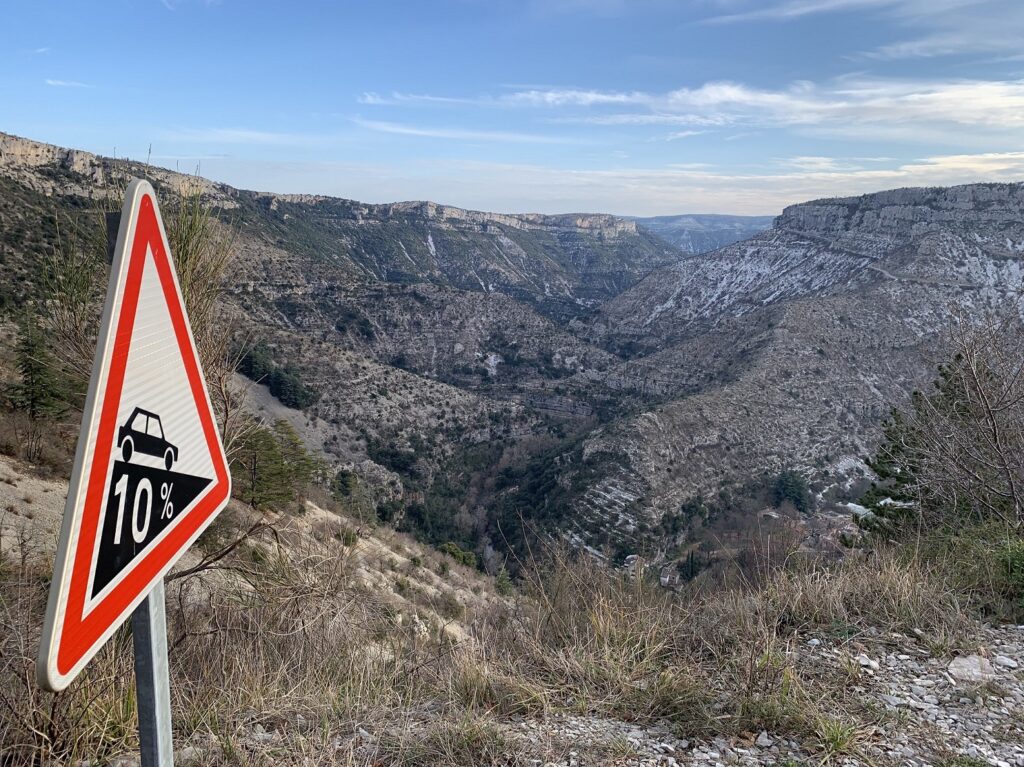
x,y
40,392
272,469
791,486
503,583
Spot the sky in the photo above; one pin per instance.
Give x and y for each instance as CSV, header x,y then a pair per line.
x,y
634,107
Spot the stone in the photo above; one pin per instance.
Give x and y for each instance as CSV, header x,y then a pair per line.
x,y
1005,662
971,668
763,741
867,662
124,761
187,756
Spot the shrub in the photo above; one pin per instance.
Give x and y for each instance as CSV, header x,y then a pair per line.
x,y
283,381
467,558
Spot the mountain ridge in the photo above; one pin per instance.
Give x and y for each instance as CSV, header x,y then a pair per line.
x,y
582,357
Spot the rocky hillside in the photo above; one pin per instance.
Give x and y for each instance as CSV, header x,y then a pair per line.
x,y
823,323
420,328
699,233
574,372
294,242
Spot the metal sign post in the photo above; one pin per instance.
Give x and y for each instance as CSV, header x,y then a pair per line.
x,y
152,680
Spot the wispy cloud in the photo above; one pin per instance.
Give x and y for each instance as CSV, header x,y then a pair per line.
x,y
526,97
681,134
372,98
39,51
457,134
891,108
794,9
67,84
239,136
646,118
934,27
559,97
699,188
677,188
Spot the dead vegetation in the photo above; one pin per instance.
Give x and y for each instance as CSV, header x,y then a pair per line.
x,y
284,653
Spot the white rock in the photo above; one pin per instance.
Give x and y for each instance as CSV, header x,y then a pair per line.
x,y
1005,662
971,668
124,761
763,741
867,662
187,756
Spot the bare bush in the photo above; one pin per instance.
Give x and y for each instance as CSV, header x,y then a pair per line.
x,y
957,454
95,718
287,637
202,248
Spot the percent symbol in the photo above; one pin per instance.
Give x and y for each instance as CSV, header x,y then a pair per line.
x,y
165,496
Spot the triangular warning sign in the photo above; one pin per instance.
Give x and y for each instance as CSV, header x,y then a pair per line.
x,y
150,472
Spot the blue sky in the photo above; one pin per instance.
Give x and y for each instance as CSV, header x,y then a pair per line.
x,y
639,107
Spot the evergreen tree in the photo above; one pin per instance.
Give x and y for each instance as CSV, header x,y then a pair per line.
x,y
272,469
503,582
791,486
40,392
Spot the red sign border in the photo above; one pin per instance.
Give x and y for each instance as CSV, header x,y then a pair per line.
x,y
78,636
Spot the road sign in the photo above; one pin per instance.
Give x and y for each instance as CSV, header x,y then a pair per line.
x,y
150,472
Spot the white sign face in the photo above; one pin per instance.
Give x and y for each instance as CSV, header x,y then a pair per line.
x,y
150,472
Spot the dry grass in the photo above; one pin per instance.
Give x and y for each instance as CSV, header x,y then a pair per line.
x,y
95,718
285,640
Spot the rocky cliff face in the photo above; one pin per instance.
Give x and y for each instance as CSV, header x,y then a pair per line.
x,y
425,328
902,214
557,263
826,321
575,371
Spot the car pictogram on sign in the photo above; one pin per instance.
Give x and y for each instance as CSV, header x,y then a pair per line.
x,y
143,433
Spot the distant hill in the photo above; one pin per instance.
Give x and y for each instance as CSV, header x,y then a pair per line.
x,y
699,233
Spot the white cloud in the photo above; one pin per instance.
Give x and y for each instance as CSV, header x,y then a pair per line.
x,y
896,109
456,134
811,163
558,97
646,118
375,99
685,188
794,9
239,136
369,97
67,84
681,134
